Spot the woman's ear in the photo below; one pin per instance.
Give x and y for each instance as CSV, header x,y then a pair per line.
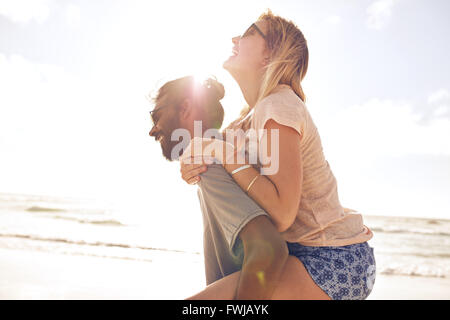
x,y
265,62
266,57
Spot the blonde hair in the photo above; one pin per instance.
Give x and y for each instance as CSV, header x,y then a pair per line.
x,y
288,61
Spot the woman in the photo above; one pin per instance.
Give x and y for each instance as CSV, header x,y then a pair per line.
x,y
329,254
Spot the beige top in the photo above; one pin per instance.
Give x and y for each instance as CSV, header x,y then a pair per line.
x,y
321,220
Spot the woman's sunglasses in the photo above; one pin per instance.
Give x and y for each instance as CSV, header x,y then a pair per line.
x,y
253,26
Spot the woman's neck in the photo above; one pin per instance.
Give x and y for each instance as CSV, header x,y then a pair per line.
x,y
250,89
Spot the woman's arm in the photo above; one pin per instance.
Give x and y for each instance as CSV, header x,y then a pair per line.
x,y
278,194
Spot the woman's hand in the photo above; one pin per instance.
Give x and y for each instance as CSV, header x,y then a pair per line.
x,y
200,153
192,163
190,170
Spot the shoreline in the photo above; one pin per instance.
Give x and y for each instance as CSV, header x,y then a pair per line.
x,y
32,275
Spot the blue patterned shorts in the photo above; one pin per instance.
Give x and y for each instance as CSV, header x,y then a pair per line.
x,y
344,273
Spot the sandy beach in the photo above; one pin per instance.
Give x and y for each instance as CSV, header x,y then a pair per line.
x,y
42,275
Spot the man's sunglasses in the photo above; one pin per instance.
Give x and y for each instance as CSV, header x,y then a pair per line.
x,y
253,26
152,116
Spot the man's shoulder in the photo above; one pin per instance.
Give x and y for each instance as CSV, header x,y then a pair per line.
x,y
216,171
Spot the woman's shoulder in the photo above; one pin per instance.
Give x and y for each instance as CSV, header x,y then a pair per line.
x,y
283,106
282,100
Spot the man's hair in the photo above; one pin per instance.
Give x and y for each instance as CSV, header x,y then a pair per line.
x,y
206,96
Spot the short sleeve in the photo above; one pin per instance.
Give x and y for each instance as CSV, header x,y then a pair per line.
x,y
284,107
231,206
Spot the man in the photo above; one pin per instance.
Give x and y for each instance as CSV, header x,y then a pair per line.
x,y
238,234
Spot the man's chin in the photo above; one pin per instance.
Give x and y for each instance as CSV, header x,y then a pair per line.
x,y
167,153
169,158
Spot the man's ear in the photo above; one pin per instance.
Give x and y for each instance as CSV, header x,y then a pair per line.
x,y
186,109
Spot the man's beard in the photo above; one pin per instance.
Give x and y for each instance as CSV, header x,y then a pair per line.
x,y
167,144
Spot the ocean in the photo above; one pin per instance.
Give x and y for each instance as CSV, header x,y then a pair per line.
x,y
406,246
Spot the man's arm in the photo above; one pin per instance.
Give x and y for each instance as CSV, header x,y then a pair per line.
x,y
238,218
265,255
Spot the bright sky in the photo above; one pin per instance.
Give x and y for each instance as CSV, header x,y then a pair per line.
x,y
74,76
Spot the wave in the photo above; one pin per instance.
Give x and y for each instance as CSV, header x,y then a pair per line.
x,y
88,243
107,256
53,214
415,254
107,222
414,271
432,255
410,231
431,269
44,209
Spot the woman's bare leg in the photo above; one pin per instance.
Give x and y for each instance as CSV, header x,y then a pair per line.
x,y
295,284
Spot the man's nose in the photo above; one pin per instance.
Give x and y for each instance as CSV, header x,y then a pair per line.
x,y
153,131
236,39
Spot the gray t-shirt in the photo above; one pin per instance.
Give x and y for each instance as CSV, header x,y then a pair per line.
x,y
226,209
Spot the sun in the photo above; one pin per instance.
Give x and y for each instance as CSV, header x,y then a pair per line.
x,y
201,75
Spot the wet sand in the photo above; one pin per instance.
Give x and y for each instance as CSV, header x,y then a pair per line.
x,y
42,275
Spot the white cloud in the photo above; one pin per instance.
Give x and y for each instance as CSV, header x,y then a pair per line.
x,y
439,103
73,15
42,124
333,19
383,128
436,107
60,135
27,91
439,96
381,149
379,14
23,11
